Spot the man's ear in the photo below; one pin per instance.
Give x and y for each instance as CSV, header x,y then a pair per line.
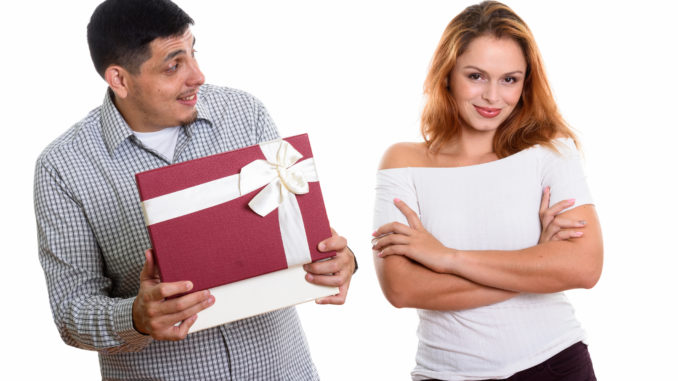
x,y
117,79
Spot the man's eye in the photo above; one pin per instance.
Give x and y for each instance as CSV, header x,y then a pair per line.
x,y
172,68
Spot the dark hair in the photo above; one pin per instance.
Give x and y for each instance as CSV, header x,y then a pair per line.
x,y
120,31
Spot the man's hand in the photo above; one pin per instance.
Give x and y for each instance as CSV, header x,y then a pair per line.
x,y
155,315
336,271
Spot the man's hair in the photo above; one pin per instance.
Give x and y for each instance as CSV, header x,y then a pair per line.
x,y
120,31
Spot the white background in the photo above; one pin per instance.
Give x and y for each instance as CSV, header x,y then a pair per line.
x,y
350,74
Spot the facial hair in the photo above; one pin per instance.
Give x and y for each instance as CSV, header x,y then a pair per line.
x,y
190,120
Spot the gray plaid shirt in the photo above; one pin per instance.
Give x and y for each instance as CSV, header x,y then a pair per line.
x,y
92,239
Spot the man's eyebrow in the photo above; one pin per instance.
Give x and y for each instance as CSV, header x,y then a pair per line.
x,y
176,53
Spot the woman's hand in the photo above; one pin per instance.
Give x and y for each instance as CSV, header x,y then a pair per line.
x,y
411,241
553,226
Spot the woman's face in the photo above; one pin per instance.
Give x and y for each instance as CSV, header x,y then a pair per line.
x,y
487,82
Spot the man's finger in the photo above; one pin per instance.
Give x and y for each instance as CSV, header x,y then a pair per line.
x,y
334,243
184,303
338,299
165,290
148,271
329,266
182,329
326,280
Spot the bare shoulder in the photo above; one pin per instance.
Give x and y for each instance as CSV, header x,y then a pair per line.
x,y
402,155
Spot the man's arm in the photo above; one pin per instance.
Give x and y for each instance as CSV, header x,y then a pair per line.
x,y
84,312
74,271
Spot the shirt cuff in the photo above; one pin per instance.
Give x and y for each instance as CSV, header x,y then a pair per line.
x,y
124,327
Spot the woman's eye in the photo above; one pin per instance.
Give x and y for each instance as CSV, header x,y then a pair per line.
x,y
510,80
475,76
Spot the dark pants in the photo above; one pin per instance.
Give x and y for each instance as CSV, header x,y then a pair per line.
x,y
572,364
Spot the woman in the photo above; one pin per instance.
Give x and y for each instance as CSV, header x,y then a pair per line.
x,y
459,234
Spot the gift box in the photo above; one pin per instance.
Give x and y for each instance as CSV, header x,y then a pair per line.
x,y
240,223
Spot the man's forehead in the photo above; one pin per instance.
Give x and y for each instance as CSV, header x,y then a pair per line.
x,y
166,44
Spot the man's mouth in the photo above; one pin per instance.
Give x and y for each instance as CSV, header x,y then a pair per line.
x,y
188,100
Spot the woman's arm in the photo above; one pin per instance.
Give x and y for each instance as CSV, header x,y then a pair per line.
x,y
547,267
408,284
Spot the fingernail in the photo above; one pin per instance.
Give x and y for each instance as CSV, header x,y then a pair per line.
x,y
571,201
188,285
546,189
396,200
321,246
309,277
380,254
577,234
374,234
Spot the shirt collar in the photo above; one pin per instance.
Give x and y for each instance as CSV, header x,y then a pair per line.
x,y
116,130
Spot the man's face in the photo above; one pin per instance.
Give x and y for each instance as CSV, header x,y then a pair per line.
x,y
165,91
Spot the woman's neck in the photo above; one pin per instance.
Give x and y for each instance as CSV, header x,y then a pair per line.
x,y
472,147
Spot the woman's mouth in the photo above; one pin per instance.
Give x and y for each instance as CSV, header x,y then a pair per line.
x,y
487,112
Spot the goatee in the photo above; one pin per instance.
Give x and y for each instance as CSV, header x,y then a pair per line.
x,y
189,121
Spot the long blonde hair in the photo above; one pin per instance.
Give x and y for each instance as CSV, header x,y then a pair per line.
x,y
535,119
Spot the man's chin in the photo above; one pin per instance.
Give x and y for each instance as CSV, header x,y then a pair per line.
x,y
190,120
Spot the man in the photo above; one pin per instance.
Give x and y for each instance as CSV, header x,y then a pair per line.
x,y
104,290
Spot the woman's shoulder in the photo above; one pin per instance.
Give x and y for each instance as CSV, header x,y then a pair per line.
x,y
405,154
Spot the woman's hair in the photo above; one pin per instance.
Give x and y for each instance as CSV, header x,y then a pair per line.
x,y
535,119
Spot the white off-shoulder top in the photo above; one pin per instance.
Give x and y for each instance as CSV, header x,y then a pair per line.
x,y
490,206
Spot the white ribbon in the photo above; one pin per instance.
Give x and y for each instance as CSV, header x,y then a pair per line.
x,y
282,173
279,171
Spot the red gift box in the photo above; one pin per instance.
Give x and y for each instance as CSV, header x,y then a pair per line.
x,y
223,219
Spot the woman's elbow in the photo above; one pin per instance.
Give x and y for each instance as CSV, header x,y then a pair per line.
x,y
397,299
590,276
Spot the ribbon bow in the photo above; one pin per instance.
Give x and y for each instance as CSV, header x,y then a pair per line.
x,y
279,171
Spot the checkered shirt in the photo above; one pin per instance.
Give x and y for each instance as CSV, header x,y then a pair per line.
x,y
92,238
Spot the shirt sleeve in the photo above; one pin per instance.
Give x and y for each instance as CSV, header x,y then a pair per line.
x,y
391,184
86,316
265,128
562,171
